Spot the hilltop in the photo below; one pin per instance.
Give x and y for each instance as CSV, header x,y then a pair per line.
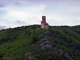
x,y
35,43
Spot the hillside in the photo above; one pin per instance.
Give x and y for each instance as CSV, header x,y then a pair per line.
x,y
34,43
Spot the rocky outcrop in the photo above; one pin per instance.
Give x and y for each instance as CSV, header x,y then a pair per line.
x,y
29,56
60,52
45,43
68,56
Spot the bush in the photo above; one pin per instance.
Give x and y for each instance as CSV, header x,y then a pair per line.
x,y
34,39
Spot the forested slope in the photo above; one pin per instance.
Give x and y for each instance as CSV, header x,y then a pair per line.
x,y
34,43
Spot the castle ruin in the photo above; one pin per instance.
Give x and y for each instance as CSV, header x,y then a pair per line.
x,y
44,24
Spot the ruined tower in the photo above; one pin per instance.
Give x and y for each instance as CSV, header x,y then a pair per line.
x,y
43,22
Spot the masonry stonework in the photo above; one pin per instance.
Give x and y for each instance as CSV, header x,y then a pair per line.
x,y
44,24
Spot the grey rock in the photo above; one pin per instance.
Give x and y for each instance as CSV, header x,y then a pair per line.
x,y
67,55
60,52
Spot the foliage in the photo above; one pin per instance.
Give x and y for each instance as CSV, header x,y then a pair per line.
x,y
16,42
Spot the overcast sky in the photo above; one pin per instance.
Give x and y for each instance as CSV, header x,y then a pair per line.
x,y
15,13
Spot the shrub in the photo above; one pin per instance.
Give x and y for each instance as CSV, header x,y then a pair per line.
x,y
34,39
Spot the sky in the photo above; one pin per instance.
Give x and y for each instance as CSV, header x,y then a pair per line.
x,y
14,13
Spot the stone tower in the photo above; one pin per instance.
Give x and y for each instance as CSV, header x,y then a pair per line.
x,y
43,22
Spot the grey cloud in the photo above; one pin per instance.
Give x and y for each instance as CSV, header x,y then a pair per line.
x,y
14,2
4,20
1,6
21,3
2,27
69,11
20,22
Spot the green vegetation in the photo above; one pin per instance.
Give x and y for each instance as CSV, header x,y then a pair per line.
x,y
20,42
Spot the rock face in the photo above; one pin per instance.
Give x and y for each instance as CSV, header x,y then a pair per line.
x,y
67,55
30,56
60,52
45,43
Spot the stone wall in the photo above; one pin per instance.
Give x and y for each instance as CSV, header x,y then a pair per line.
x,y
43,22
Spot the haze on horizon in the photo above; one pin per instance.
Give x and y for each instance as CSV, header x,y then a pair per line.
x,y
14,13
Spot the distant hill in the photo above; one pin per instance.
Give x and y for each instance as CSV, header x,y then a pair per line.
x,y
34,43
